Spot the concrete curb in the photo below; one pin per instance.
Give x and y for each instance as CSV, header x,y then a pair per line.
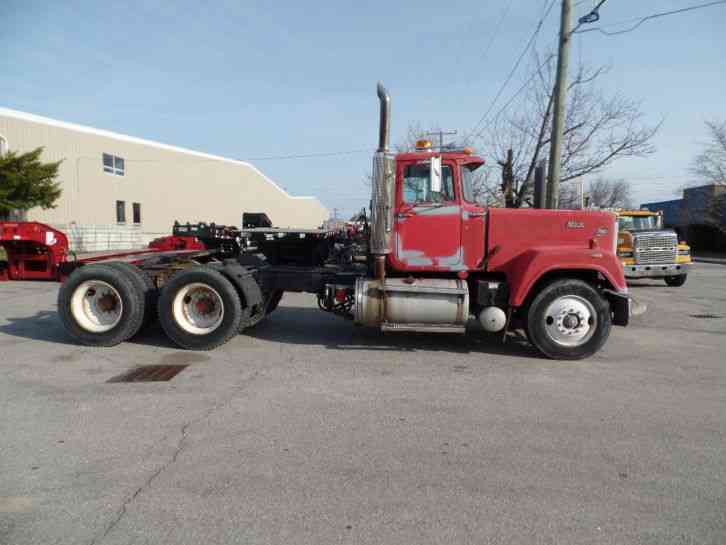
x,y
709,260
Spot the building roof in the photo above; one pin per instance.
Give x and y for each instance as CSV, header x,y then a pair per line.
x,y
7,112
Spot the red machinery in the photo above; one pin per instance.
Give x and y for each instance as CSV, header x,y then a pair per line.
x,y
36,251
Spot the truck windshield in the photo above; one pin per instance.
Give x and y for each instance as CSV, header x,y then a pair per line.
x,y
637,223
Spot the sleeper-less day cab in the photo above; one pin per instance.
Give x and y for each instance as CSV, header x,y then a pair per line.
x,y
430,260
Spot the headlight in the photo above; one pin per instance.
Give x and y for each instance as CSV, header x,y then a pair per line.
x,y
625,254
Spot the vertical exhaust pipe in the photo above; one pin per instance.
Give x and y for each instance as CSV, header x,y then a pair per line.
x,y
381,201
384,127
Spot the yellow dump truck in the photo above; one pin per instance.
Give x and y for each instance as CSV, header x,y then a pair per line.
x,y
647,250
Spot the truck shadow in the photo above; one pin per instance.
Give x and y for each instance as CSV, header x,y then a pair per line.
x,y
302,326
44,326
308,326
649,283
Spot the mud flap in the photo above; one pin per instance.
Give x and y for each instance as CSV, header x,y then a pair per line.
x,y
623,306
248,288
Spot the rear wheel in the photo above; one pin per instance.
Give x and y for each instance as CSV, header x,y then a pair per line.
x,y
101,305
568,320
145,284
199,309
676,281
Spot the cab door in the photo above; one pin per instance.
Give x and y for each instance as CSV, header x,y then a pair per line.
x,y
427,224
473,216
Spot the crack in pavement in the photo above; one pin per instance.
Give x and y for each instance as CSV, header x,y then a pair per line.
x,y
180,445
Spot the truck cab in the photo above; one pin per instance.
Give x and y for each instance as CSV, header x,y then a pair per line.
x,y
648,250
438,225
438,257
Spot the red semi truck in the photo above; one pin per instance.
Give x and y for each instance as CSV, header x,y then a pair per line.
x,y
430,259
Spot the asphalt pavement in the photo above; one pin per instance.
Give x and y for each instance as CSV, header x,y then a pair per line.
x,y
313,431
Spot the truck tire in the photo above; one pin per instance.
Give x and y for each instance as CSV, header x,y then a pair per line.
x,y
676,281
101,305
145,284
568,320
199,309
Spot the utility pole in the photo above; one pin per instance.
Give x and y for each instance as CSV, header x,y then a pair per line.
x,y
558,120
441,135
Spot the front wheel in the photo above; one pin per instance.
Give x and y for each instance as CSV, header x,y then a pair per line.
x,y
568,320
199,309
676,281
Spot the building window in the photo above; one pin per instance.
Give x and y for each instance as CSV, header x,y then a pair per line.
x,y
137,212
120,211
3,145
113,164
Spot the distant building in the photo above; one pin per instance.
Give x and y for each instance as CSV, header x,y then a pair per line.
x,y
693,216
121,191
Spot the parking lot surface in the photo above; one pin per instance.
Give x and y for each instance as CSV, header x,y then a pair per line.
x,y
312,431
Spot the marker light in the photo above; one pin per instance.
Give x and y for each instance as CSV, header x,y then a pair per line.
x,y
468,151
423,144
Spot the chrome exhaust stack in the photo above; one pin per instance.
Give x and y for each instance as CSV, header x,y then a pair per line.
x,y
384,127
382,187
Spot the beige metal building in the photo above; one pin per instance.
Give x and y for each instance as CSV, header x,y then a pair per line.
x,y
121,191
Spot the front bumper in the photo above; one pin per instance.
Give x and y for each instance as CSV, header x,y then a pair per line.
x,y
656,270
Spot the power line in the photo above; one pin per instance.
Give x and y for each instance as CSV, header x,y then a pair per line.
x,y
310,155
591,17
497,30
263,158
511,73
641,20
523,87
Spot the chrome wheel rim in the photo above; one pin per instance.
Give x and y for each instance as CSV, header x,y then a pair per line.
x,y
570,320
198,309
96,306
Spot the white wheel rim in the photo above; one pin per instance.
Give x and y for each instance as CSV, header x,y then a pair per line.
x,y
198,309
96,306
570,320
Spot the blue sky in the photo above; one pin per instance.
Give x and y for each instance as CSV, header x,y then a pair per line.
x,y
257,79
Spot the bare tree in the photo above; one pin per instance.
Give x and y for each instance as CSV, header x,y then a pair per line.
x,y
599,129
609,193
601,193
709,167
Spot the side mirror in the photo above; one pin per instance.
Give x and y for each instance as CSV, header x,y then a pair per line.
x,y
436,174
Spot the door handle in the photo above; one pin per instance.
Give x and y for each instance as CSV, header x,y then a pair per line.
x,y
402,215
477,214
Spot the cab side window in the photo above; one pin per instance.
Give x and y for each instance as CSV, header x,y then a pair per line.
x,y
417,185
467,184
